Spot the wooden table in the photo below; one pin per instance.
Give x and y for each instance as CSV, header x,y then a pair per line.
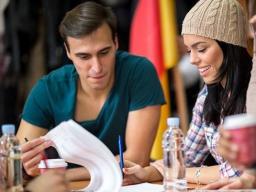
x,y
75,185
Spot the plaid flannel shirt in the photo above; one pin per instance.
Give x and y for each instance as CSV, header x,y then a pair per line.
x,y
202,140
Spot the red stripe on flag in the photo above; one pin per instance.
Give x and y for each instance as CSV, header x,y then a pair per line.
x,y
145,37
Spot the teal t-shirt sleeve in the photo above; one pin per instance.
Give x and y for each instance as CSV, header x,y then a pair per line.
x,y
146,89
36,109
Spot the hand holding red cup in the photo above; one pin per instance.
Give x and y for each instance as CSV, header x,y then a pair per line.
x,y
242,131
52,164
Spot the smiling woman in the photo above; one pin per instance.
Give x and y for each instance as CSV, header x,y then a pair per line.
x,y
224,65
214,32
231,150
206,55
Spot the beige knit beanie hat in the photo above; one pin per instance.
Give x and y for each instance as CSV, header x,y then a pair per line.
x,y
222,20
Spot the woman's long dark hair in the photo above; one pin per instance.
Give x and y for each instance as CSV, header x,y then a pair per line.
x,y
231,99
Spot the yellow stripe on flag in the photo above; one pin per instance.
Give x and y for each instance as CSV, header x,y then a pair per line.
x,y
153,35
156,152
170,59
169,33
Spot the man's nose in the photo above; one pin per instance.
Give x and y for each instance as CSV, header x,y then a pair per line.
x,y
96,65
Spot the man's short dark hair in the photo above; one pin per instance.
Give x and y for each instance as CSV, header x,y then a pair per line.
x,y
85,19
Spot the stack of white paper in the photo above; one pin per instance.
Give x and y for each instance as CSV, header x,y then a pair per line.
x,y
77,145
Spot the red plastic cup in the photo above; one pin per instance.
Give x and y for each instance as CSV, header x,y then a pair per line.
x,y
242,128
52,164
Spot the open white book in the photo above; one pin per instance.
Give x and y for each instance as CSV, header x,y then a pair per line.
x,y
76,145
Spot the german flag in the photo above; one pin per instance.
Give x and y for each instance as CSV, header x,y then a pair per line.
x,y
153,35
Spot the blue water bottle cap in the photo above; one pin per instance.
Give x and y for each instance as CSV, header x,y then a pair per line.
x,y
173,122
8,129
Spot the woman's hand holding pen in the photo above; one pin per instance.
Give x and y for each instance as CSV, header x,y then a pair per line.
x,y
133,173
32,154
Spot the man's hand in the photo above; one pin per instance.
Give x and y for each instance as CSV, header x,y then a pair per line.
x,y
51,180
32,154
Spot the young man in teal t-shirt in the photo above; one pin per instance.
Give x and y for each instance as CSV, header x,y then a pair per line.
x,y
106,91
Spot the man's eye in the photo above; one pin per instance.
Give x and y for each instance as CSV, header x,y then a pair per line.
x,y
104,52
83,57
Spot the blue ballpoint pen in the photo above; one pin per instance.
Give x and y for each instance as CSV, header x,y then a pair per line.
x,y
121,157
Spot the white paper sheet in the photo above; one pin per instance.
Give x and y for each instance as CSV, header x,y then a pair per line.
x,y
77,145
143,187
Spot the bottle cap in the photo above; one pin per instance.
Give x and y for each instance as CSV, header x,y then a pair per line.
x,y
173,121
8,129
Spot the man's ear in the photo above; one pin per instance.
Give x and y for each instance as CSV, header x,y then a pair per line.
x,y
67,50
116,42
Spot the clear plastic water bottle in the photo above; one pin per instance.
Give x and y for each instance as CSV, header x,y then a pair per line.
x,y
174,158
3,163
15,178
8,144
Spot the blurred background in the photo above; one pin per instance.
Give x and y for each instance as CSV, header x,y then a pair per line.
x,y
30,46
